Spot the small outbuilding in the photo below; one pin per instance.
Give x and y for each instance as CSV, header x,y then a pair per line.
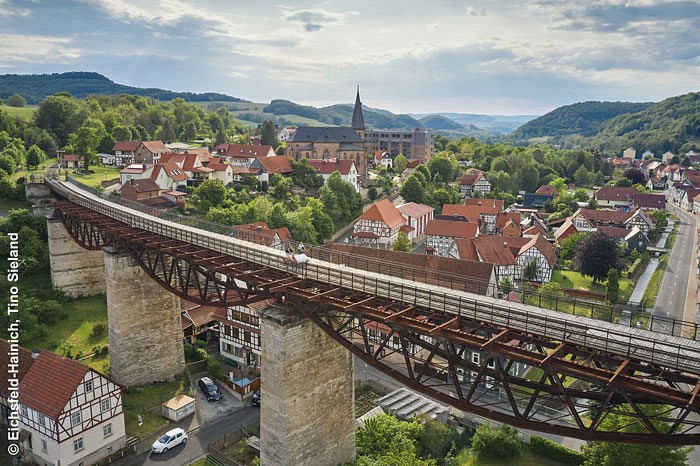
x,y
178,407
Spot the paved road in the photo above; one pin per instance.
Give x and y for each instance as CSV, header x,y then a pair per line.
x,y
671,300
197,443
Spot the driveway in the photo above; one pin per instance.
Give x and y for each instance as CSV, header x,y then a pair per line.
x,y
210,411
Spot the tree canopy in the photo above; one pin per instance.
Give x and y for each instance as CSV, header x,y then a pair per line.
x,y
596,255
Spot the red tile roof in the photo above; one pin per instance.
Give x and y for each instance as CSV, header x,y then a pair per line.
x,y
605,216
142,185
276,164
25,362
451,229
415,210
615,193
565,230
547,190
50,382
173,158
497,203
649,201
494,249
614,232
502,218
327,167
544,246
470,178
172,170
386,212
126,146
243,150
155,147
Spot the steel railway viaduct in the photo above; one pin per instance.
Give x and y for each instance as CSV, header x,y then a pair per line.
x,y
324,314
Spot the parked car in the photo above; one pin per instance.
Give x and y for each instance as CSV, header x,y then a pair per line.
x,y
255,400
169,440
210,389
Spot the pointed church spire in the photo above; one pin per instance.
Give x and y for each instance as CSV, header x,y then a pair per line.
x,y
358,121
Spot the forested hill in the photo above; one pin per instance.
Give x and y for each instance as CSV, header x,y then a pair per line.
x,y
34,87
584,118
670,125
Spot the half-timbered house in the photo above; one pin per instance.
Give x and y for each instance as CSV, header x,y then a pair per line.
x,y
69,414
379,225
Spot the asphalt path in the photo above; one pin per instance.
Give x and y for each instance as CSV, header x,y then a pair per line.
x,y
673,291
197,441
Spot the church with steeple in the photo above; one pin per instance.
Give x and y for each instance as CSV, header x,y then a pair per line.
x,y
332,143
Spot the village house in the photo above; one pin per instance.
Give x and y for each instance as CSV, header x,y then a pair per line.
x,y
508,224
629,153
417,217
69,414
482,213
615,197
268,166
124,152
135,171
140,189
494,250
169,176
239,334
547,190
346,169
649,202
383,159
565,230
474,181
441,236
378,225
149,152
243,155
540,251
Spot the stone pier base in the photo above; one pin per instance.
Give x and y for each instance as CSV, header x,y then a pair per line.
x,y
145,332
74,270
307,398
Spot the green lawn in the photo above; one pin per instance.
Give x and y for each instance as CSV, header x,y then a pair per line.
x,y
74,332
574,280
26,113
465,458
145,401
101,174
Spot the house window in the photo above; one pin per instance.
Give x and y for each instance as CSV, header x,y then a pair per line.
x,y
78,444
42,420
104,405
88,386
491,364
475,358
107,430
75,419
44,446
24,412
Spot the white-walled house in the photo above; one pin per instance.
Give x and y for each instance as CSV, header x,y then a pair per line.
x,y
380,224
71,414
417,217
346,168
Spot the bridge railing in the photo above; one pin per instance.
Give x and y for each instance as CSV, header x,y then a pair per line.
x,y
654,348
632,314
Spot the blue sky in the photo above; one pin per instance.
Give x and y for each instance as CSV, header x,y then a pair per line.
x,y
494,57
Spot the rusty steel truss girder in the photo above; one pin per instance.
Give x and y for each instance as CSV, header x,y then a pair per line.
x,y
431,352
196,274
573,394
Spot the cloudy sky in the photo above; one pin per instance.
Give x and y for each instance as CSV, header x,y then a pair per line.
x,y
480,56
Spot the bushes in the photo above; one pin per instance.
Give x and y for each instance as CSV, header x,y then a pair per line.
x,y
553,451
215,368
496,442
98,329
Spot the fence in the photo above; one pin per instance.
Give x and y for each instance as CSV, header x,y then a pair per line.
x,y
220,449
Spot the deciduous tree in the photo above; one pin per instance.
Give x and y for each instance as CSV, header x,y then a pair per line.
x,y
596,254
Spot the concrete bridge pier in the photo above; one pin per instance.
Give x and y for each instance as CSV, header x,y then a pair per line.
x,y
307,398
74,270
145,332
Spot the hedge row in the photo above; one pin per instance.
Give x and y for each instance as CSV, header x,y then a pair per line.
x,y
553,451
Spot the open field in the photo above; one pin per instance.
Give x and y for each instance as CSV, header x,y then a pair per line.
x,y
26,113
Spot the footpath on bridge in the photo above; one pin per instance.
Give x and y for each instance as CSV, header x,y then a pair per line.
x,y
645,277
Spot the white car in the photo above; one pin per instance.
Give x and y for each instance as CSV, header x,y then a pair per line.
x,y
168,440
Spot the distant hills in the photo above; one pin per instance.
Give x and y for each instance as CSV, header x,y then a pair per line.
x,y
584,118
34,87
610,127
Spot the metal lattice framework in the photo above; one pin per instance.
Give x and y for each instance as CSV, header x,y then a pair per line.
x,y
426,337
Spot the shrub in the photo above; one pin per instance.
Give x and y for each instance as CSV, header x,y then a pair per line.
x,y
553,451
98,329
496,442
215,368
